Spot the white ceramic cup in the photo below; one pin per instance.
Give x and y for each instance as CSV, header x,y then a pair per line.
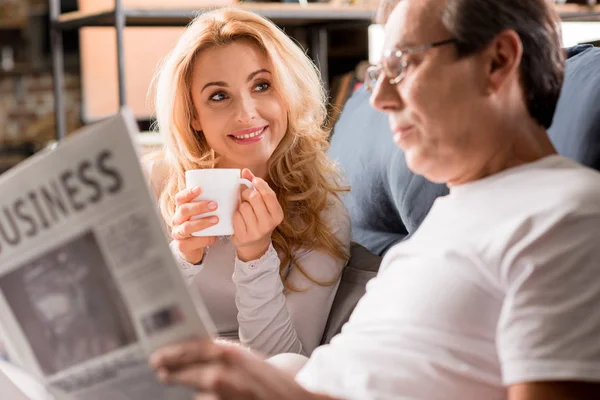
x,y
221,185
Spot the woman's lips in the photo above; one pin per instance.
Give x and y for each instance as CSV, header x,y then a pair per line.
x,y
249,136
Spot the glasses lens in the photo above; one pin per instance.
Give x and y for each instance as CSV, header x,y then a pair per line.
x,y
372,76
394,66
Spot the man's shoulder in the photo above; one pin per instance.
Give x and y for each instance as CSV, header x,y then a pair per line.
x,y
577,188
559,185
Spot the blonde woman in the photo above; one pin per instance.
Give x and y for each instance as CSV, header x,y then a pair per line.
x,y
236,92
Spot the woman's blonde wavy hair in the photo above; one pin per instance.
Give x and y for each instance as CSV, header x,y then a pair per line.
x,y
299,171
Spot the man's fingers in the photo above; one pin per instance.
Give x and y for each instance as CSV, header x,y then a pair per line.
x,y
187,352
206,377
187,195
223,381
227,371
207,396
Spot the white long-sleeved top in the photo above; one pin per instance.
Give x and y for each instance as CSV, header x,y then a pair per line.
x,y
248,301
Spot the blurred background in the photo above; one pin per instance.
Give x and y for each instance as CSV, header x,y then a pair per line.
x,y
340,35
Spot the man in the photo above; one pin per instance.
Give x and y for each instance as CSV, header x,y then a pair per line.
x,y
494,297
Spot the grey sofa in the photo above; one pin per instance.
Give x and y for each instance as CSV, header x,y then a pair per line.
x,y
387,202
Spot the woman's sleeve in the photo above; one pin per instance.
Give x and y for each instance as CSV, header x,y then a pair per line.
x,y
275,320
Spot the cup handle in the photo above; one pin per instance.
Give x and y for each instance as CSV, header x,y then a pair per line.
x,y
246,182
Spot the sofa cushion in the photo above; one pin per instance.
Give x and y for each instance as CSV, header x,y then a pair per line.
x,y
575,129
387,201
363,266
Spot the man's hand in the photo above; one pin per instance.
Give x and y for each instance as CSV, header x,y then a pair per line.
x,y
224,371
554,391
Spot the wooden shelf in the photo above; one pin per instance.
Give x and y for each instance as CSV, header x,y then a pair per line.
x,y
281,13
15,24
578,12
71,64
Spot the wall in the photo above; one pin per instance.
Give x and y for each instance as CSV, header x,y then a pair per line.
x,y
27,113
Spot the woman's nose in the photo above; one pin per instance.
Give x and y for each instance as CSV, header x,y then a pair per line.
x,y
246,109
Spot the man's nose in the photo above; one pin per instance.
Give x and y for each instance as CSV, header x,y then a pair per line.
x,y
386,96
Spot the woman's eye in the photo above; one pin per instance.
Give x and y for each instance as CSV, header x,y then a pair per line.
x,y
219,96
261,87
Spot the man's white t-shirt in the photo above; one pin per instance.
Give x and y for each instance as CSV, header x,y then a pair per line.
x,y
499,285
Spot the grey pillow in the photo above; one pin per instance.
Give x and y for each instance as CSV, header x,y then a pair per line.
x,y
387,202
575,129
363,266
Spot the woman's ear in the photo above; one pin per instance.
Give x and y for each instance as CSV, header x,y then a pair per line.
x,y
196,125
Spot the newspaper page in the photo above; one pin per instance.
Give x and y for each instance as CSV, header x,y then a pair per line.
x,y
8,389
88,284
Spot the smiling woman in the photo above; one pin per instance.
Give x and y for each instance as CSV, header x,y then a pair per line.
x,y
236,105
236,92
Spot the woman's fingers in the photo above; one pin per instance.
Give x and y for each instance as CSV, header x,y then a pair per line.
x,y
185,230
247,174
250,220
263,218
188,210
187,195
239,226
191,245
270,199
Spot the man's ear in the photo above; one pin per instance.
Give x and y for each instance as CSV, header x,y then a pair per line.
x,y
503,55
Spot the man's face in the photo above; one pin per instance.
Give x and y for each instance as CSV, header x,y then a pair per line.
x,y
436,110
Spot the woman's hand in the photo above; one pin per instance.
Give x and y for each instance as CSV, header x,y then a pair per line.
x,y
224,371
256,219
191,248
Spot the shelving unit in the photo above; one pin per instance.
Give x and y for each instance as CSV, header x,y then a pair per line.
x,y
319,18
578,12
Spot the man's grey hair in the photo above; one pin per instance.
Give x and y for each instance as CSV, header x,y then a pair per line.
x,y
474,23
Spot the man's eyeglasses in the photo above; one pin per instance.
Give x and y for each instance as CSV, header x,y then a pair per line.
x,y
394,63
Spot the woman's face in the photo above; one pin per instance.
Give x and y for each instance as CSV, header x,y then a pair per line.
x,y
242,116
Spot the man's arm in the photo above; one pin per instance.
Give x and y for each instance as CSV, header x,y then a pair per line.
x,y
554,391
225,371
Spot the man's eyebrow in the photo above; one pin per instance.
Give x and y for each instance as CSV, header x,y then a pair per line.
x,y
252,75
404,45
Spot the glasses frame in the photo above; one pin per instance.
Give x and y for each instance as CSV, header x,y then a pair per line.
x,y
381,67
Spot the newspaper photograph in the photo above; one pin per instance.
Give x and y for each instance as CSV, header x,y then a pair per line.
x,y
68,305
88,284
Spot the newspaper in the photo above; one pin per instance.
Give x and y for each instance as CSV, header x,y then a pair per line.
x,y
8,389
88,284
